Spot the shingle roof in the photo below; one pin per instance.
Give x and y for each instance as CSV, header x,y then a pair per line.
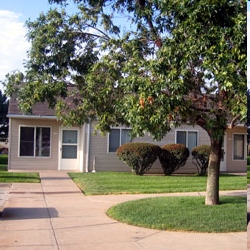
x,y
39,109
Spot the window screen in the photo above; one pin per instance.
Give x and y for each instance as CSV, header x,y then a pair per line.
x,y
26,147
117,137
239,147
187,138
34,141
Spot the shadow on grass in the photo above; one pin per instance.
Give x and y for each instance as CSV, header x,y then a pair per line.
x,y
233,199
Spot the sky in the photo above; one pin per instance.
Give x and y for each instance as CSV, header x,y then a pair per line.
x,y
248,44
13,42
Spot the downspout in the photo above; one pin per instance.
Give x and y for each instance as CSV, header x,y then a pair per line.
x,y
9,144
87,148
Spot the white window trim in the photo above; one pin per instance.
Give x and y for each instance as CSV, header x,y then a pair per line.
x,y
120,128
19,141
188,130
245,147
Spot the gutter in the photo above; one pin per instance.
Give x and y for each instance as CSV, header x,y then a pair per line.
x,y
87,148
48,117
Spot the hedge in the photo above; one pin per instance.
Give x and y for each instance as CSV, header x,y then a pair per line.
x,y
173,157
3,159
201,157
138,156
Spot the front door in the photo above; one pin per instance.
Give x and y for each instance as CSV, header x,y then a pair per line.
x,y
69,145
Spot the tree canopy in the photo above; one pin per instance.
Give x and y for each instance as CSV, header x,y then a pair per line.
x,y
171,62
248,116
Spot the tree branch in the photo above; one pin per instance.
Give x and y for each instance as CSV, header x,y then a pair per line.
x,y
96,35
232,123
158,42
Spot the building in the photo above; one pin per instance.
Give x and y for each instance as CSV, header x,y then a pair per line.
x,y
40,142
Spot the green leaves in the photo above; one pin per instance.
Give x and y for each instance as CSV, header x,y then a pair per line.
x,y
175,62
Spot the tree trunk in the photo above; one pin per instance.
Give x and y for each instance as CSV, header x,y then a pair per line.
x,y
212,195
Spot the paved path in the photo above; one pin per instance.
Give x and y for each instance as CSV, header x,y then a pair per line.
x,y
248,217
54,214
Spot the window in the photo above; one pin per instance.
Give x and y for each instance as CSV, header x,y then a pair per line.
x,y
34,141
187,138
117,137
69,144
239,147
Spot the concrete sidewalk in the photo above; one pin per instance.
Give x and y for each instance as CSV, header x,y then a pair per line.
x,y
248,217
54,214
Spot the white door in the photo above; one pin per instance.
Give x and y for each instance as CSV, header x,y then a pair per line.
x,y
69,149
223,166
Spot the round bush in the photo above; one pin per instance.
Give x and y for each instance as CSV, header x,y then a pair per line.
x,y
4,159
138,156
201,156
173,157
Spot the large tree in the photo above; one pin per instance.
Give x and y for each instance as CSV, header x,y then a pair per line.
x,y
173,62
248,117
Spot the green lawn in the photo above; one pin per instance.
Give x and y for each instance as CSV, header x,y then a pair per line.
x,y
126,183
183,214
11,177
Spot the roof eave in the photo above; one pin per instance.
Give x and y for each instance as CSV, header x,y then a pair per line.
x,y
18,116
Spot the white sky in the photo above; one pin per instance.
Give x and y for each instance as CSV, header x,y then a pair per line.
x,y
13,45
248,44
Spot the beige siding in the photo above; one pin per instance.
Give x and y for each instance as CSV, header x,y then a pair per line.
x,y
105,161
231,164
97,154
33,163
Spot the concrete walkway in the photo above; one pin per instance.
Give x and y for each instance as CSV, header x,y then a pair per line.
x,y
54,214
248,217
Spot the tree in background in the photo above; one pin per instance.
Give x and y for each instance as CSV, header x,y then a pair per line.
x,y
4,120
173,62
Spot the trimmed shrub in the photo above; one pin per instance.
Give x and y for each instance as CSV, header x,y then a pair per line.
x,y
138,156
4,159
201,157
173,157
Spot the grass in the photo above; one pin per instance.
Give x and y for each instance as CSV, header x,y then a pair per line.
x,y
169,213
183,214
11,177
103,183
